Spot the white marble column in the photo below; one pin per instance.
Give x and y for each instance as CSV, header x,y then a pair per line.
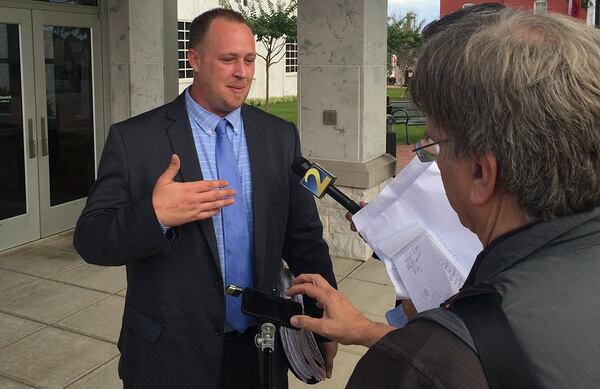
x,y
342,68
143,55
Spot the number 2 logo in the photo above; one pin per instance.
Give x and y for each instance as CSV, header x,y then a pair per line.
x,y
320,184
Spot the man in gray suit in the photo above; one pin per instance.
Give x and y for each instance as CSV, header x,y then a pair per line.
x,y
227,209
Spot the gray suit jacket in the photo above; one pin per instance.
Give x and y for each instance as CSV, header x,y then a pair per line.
x,y
174,310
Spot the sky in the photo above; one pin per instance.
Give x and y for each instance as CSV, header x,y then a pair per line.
x,y
427,10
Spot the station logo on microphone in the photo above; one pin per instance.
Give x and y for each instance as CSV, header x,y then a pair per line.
x,y
317,180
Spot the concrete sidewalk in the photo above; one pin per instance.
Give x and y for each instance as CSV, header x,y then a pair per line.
x,y
60,317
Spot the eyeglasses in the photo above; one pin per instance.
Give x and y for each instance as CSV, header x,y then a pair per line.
x,y
427,149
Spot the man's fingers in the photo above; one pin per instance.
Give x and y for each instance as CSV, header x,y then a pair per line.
x,y
171,171
207,214
349,216
328,367
211,196
207,185
329,352
213,206
309,290
307,323
307,278
315,279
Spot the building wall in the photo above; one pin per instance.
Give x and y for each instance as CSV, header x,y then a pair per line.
x,y
280,82
556,6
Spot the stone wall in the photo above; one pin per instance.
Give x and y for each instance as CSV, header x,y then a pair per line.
x,y
342,241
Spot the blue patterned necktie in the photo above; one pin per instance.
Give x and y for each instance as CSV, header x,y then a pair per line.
x,y
236,239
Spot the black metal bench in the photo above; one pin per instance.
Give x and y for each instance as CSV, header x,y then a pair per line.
x,y
406,113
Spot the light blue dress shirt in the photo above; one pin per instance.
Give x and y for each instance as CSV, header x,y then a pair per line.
x,y
203,125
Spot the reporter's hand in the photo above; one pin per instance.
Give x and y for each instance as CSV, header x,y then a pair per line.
x,y
341,321
177,203
349,216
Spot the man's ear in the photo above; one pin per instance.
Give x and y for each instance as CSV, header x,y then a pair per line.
x,y
194,59
484,171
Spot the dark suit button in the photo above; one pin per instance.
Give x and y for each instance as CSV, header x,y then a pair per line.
x,y
218,332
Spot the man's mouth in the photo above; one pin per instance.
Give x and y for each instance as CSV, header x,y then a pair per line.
x,y
237,88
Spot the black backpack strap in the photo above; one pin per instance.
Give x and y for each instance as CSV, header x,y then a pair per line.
x,y
499,351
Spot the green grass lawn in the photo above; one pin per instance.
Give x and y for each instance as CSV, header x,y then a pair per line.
x,y
398,93
285,111
288,112
415,133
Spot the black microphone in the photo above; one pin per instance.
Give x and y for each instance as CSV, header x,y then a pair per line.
x,y
321,183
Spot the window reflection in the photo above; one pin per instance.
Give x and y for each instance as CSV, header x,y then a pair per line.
x,y
12,152
70,112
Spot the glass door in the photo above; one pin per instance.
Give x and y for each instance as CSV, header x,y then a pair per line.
x,y
19,202
50,120
67,69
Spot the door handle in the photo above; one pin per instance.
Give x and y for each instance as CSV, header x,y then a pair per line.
x,y
31,139
44,137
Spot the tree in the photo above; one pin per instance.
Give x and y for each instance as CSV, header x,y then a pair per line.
x,y
274,25
404,39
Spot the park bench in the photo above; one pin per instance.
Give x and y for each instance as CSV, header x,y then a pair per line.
x,y
406,113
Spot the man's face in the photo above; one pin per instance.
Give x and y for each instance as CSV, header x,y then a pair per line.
x,y
455,174
223,66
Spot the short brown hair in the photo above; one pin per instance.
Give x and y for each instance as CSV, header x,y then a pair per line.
x,y
201,23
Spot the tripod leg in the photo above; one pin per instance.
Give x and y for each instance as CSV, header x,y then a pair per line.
x,y
268,359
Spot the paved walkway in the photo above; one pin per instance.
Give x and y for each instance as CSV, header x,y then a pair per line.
x,y
60,317
404,155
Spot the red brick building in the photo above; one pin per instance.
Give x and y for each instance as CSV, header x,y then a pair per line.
x,y
556,6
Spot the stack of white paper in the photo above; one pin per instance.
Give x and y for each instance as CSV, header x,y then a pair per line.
x,y
300,347
414,230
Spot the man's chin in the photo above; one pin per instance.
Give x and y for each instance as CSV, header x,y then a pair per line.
x,y
236,101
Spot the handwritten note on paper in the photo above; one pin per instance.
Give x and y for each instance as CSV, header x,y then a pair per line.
x,y
417,197
450,263
425,268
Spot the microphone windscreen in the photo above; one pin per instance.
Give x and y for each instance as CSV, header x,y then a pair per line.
x,y
300,166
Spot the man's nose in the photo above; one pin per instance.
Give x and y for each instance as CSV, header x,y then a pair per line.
x,y
240,70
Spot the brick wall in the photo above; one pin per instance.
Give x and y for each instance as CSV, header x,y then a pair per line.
x,y
557,6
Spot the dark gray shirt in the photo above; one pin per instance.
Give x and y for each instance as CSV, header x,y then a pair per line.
x,y
421,355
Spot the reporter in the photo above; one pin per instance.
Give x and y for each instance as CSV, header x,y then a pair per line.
x,y
513,121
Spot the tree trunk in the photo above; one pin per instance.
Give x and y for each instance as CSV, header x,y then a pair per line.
x,y
267,65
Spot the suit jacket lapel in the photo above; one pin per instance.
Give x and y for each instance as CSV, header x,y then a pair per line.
x,y
258,166
182,141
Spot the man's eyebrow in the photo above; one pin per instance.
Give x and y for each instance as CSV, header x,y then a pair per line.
x,y
237,55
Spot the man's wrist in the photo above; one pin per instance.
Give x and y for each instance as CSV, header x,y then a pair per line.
x,y
373,332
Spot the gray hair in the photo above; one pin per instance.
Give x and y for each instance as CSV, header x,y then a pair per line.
x,y
526,89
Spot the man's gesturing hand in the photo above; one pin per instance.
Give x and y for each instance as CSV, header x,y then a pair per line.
x,y
177,203
341,321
